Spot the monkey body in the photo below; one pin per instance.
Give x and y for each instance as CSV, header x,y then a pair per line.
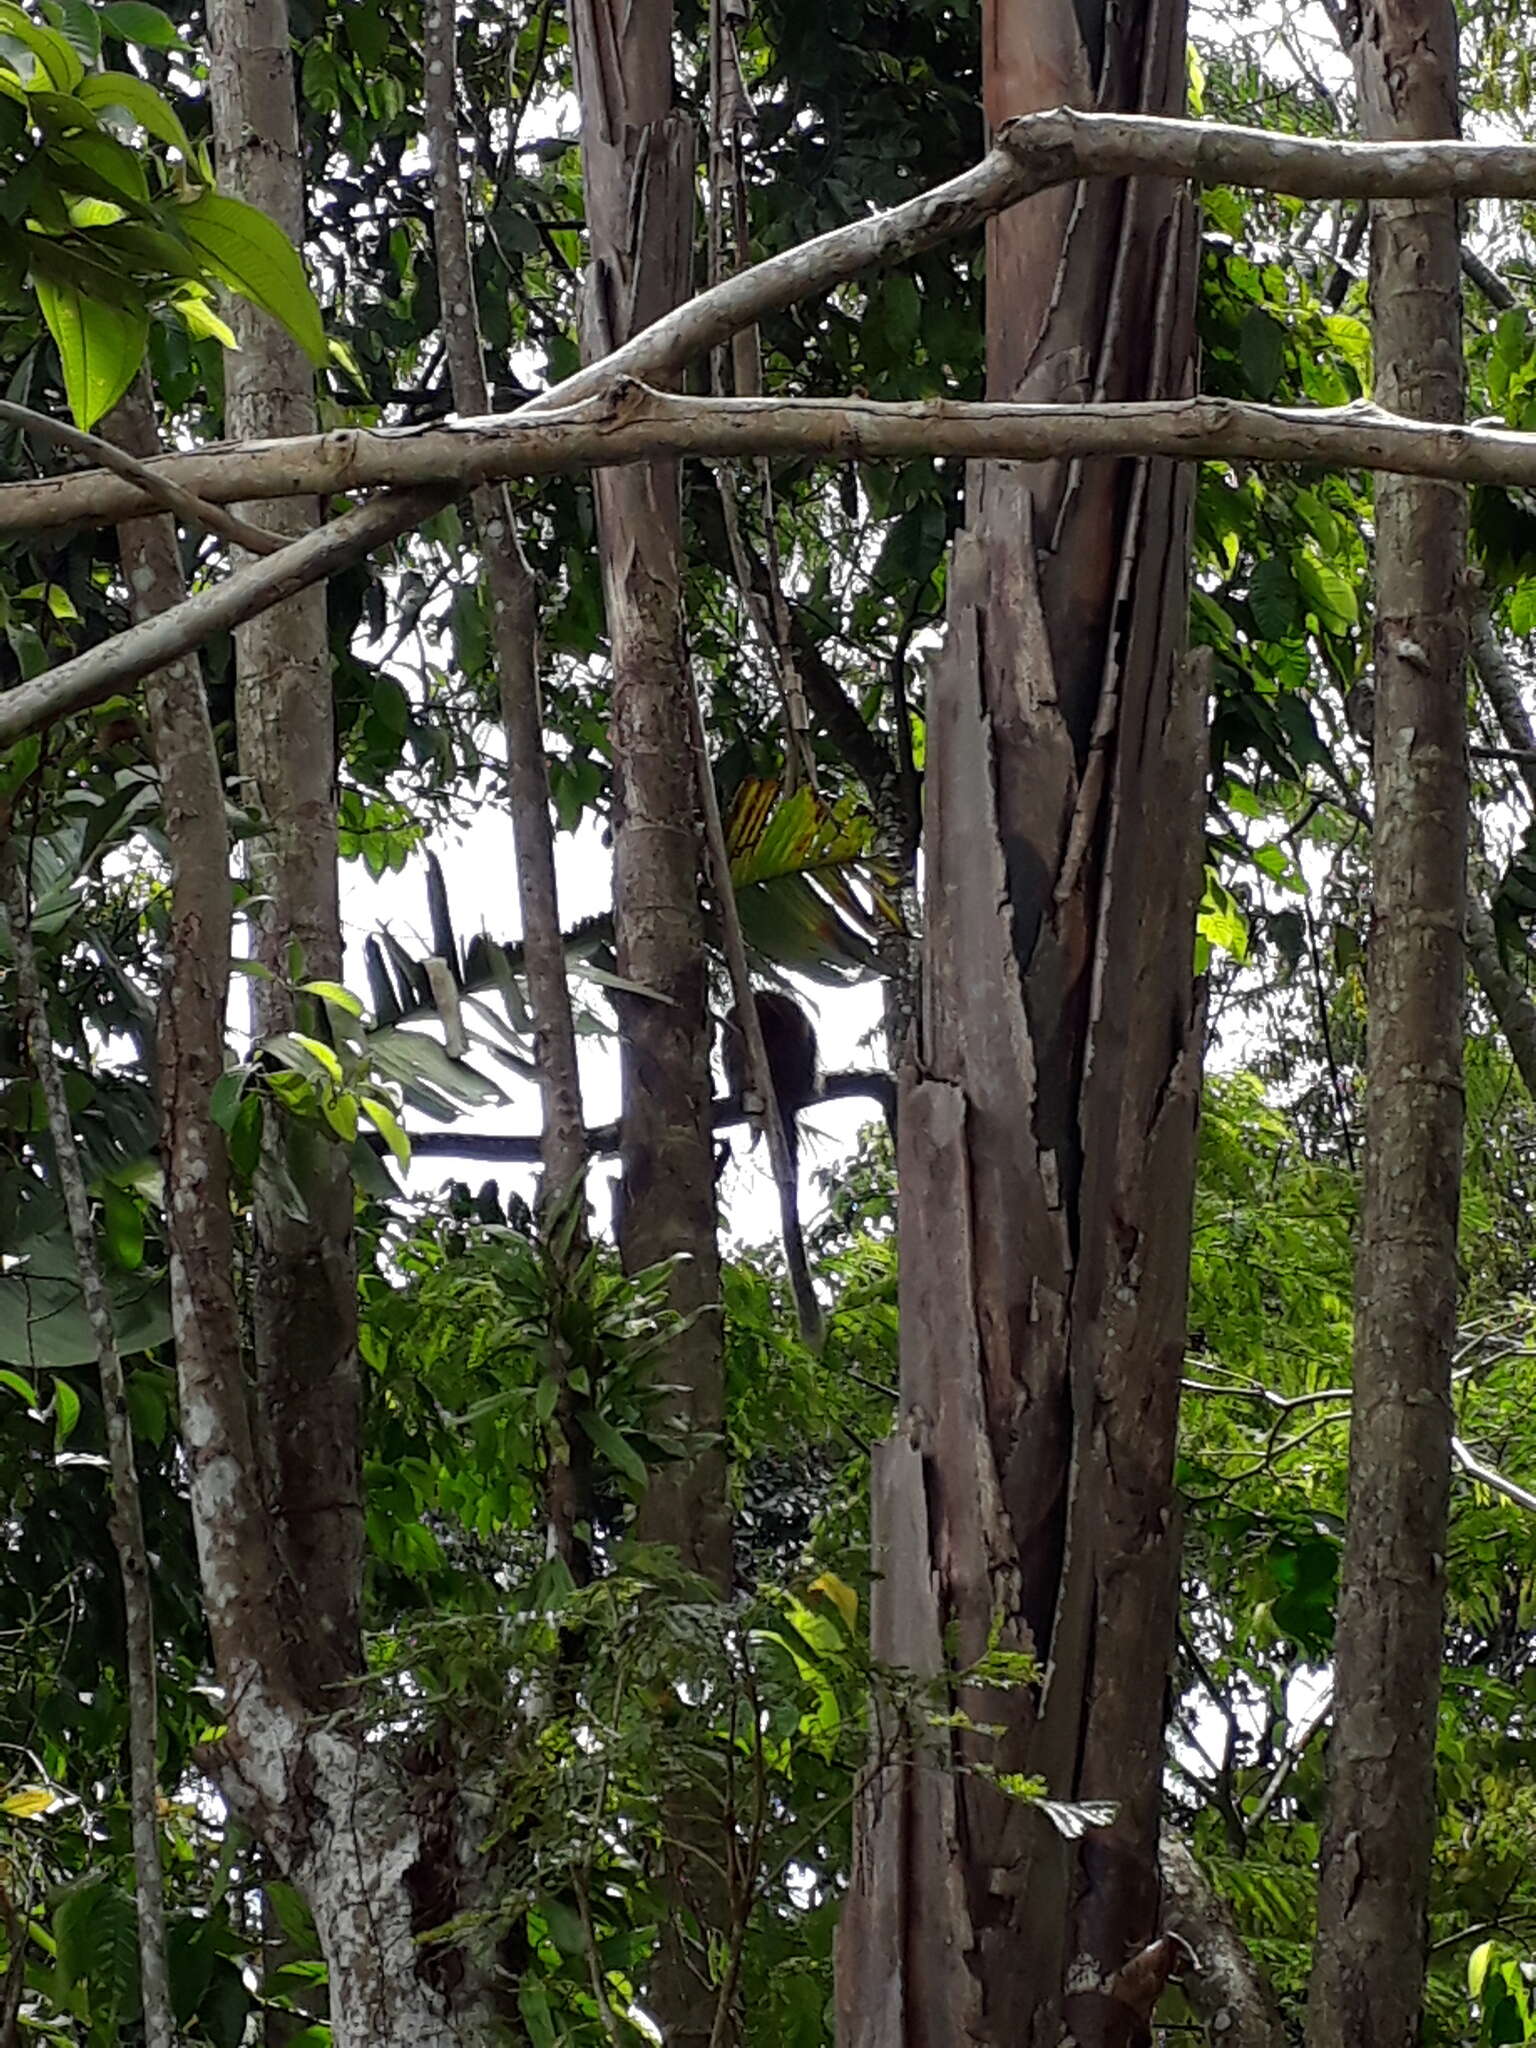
x,y
789,1038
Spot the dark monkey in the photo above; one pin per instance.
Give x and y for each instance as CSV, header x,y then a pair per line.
x,y
789,1038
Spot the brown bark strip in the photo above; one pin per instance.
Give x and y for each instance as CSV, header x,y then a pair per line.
x,y
638,166
233,1536
1368,1969
638,158
303,1293
1064,804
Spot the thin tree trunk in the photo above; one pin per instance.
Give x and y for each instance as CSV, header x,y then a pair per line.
x,y
1368,1968
515,640
127,1514
638,163
303,1294
332,1811
1047,1133
637,150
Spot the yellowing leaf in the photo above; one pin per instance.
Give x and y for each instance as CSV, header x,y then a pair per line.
x,y
28,1803
841,1595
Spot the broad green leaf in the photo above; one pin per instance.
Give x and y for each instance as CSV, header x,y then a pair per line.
x,y
255,257
134,21
137,98
124,1224
1330,595
100,347
1261,351
60,63
333,992
619,1453
320,1053
384,1121
224,1101
201,322
66,1407
104,168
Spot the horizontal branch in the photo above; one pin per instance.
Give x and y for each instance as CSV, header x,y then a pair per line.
x,y
521,1148
631,423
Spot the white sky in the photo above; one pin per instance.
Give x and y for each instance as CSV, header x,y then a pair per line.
x,y
482,892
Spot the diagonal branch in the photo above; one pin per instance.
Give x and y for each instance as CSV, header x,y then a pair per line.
x,y
163,489
117,664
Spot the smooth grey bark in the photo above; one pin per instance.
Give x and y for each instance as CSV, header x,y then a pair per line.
x,y
1368,1967
303,1293
1047,1135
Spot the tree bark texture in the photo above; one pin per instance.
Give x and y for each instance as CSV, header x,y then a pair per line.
x,y
303,1291
638,167
1047,1132
1368,1968
638,157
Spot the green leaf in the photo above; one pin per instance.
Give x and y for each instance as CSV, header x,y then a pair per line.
x,y
137,98
134,21
60,64
124,1228
333,992
1330,595
621,1454
201,322
66,1410
320,1053
224,1101
1261,351
104,167
100,347
1272,598
18,1385
255,257
384,1121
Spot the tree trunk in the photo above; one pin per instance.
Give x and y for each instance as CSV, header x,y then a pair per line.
x,y
1368,1969
1047,1132
303,1291
638,159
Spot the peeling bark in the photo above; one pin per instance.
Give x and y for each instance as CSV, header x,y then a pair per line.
x,y
1047,1129
1368,1967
